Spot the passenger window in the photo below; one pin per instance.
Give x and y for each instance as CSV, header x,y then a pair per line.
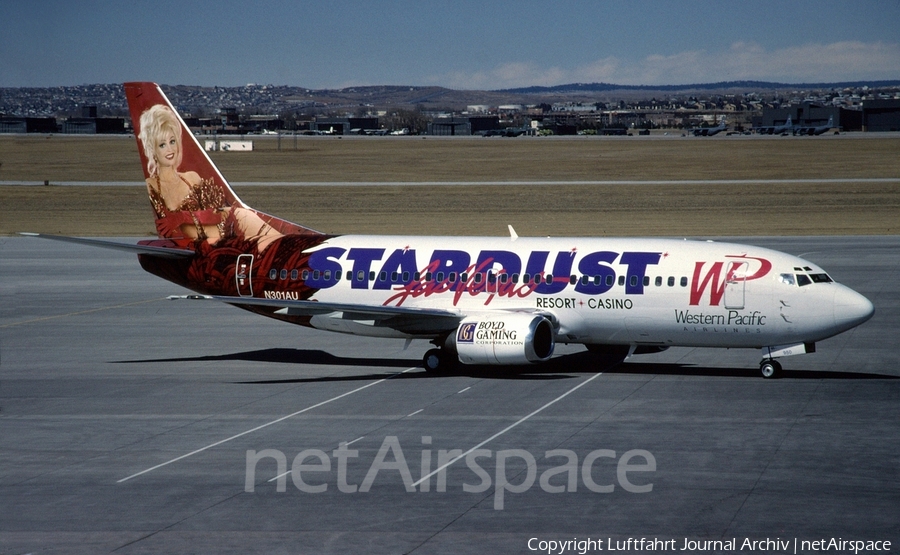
x,y
304,275
621,280
464,277
477,278
440,277
316,275
382,276
372,275
658,281
573,279
283,274
548,278
360,275
327,275
683,281
405,277
633,281
394,277
610,280
671,282
787,279
294,274
273,274
515,278
803,279
646,281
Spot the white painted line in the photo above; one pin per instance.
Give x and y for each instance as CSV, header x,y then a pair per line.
x,y
279,476
250,431
288,472
506,429
464,390
414,413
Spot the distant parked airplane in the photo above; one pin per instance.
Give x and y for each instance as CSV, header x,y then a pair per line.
x,y
710,131
776,129
815,130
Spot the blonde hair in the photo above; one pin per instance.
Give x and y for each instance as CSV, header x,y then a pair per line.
x,y
156,123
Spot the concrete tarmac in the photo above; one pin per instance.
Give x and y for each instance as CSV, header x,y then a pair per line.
x,y
134,424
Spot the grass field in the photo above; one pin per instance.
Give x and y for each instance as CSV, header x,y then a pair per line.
x,y
692,208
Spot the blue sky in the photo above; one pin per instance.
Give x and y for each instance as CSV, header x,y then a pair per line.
x,y
458,43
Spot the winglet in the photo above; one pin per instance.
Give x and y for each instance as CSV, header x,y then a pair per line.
x,y
512,232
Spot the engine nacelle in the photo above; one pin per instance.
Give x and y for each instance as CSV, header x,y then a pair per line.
x,y
504,339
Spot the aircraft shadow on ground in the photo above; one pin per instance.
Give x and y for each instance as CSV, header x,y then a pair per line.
x,y
562,367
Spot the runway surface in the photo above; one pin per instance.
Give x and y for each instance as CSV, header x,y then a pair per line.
x,y
127,423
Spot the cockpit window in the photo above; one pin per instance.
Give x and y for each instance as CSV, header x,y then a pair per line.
x,y
803,279
820,278
787,279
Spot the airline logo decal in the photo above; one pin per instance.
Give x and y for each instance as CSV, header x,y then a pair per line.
x,y
717,275
466,333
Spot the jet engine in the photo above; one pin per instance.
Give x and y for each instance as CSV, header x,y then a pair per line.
x,y
512,338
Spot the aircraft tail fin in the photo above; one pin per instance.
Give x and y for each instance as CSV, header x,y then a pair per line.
x,y
190,197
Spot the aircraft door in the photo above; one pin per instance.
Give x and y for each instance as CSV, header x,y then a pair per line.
x,y
736,285
243,270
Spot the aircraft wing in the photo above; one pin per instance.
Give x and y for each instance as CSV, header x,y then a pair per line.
x,y
162,252
413,320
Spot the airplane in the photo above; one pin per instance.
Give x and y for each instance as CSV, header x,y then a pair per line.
x,y
815,130
478,300
709,131
776,129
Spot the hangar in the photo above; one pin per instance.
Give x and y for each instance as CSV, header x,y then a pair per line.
x,y
881,115
875,115
808,114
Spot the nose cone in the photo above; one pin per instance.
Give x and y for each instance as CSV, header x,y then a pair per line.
x,y
850,308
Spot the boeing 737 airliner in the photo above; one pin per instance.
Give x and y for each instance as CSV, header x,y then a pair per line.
x,y
479,300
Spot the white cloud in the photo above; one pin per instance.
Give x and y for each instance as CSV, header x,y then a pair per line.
x,y
813,62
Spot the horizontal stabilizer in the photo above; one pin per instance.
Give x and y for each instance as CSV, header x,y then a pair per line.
x,y
161,252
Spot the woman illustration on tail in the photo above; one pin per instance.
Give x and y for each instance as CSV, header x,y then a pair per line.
x,y
187,205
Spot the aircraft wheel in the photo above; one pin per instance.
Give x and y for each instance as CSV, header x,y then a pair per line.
x,y
435,360
770,369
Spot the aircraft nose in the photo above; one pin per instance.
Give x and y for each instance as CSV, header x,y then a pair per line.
x,y
850,308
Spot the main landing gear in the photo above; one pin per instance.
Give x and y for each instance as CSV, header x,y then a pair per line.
x,y
437,361
770,369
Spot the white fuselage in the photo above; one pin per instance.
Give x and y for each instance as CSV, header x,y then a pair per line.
x,y
646,291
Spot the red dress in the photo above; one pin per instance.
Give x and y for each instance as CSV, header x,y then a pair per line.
x,y
204,206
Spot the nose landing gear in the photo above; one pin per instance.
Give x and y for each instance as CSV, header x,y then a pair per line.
x,y
770,369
